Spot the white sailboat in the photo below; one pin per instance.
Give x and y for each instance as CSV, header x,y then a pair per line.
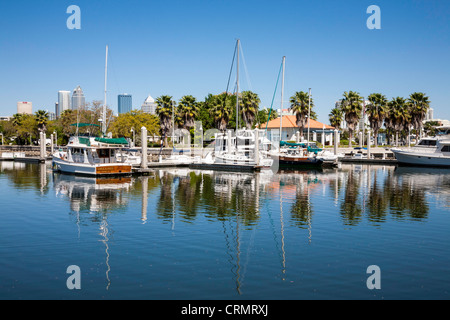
x,y
245,147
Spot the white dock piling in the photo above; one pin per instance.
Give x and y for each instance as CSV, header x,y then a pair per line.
x,y
144,161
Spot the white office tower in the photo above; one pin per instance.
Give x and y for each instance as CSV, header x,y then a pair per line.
x,y
149,105
24,107
78,99
63,102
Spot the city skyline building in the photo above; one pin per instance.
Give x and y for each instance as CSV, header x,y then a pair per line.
x,y
24,107
124,103
64,102
78,99
149,105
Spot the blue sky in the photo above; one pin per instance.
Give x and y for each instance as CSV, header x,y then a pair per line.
x,y
186,47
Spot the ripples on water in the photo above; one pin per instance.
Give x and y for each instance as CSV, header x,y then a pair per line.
x,y
181,234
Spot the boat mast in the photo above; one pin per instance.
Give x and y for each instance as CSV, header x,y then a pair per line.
x,y
309,114
282,97
237,86
104,103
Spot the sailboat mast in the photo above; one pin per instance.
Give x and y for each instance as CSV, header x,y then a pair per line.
x,y
282,99
309,114
104,103
237,86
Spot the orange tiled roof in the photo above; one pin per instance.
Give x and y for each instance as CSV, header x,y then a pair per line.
x,y
290,122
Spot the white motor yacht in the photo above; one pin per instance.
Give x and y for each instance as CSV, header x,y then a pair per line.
x,y
430,151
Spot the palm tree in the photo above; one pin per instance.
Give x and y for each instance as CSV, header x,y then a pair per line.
x,y
249,107
164,111
221,109
351,106
188,109
17,119
336,117
419,105
41,117
377,110
398,117
300,107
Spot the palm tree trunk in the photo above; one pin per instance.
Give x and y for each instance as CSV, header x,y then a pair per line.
x,y
350,139
396,138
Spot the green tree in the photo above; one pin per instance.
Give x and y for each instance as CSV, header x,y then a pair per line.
x,y
300,106
122,125
41,118
419,104
377,110
351,106
249,107
399,117
336,117
221,110
263,117
25,126
165,113
188,110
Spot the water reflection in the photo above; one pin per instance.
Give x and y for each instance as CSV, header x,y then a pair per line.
x,y
91,201
284,206
375,193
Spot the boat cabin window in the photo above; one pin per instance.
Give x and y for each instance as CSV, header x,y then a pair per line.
x,y
446,148
428,143
103,153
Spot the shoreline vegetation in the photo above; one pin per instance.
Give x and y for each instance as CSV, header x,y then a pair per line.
x,y
398,118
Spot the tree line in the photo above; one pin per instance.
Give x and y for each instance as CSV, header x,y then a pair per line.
x,y
219,111
400,116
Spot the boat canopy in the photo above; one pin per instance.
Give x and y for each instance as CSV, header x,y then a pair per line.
x,y
301,145
112,141
82,125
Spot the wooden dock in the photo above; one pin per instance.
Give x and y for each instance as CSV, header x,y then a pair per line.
x,y
196,166
27,159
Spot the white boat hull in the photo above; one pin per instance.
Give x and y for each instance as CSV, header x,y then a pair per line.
x,y
241,160
421,159
112,169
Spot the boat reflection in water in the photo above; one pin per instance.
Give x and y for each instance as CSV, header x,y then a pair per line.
x,y
97,197
240,215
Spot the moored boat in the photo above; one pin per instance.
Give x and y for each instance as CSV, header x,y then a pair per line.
x,y
430,151
93,157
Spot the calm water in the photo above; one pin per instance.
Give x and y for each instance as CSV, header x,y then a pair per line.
x,y
180,234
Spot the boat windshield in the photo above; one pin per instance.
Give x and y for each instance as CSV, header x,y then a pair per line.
x,y
426,142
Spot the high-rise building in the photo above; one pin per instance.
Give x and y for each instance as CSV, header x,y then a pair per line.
x,y
78,99
24,107
149,105
124,103
63,102
430,114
